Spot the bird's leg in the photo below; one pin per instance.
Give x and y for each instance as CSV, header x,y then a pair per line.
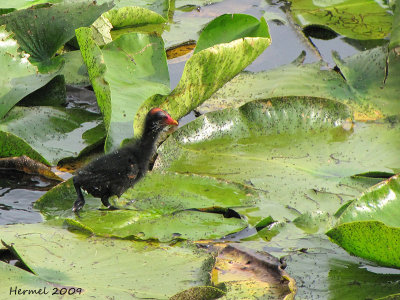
x,y
105,201
80,201
107,204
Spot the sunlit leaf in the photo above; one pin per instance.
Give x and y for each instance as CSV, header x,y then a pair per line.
x,y
209,69
300,152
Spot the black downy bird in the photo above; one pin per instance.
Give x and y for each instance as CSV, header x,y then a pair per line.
x,y
114,173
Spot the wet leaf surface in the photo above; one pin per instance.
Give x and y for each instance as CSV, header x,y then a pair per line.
x,y
161,206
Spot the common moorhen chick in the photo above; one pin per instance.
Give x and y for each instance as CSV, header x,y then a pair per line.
x,y
114,173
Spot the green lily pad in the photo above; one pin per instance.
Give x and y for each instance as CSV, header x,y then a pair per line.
x,y
52,94
199,293
11,276
12,5
369,226
366,89
395,35
380,203
143,225
42,31
299,151
74,69
159,7
372,240
48,134
20,77
230,27
207,70
101,267
124,73
161,206
169,192
356,19
133,16
322,270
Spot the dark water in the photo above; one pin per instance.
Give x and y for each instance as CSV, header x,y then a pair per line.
x,y
18,192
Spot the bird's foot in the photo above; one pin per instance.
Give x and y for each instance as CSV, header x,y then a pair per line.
x,y
110,208
78,205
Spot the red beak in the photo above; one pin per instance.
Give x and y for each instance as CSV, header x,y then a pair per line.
x,y
171,121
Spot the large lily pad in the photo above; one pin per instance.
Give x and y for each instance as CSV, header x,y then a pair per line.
x,y
356,19
365,88
101,267
19,76
121,90
293,145
48,134
161,206
144,225
43,30
208,69
369,227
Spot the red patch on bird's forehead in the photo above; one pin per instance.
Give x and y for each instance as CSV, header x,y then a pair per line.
x,y
156,110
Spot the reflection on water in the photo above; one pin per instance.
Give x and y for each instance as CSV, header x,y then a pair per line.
x,y
18,192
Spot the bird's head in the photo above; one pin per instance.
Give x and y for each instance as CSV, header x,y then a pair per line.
x,y
157,119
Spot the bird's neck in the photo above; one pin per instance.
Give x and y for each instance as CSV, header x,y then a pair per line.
x,y
148,141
